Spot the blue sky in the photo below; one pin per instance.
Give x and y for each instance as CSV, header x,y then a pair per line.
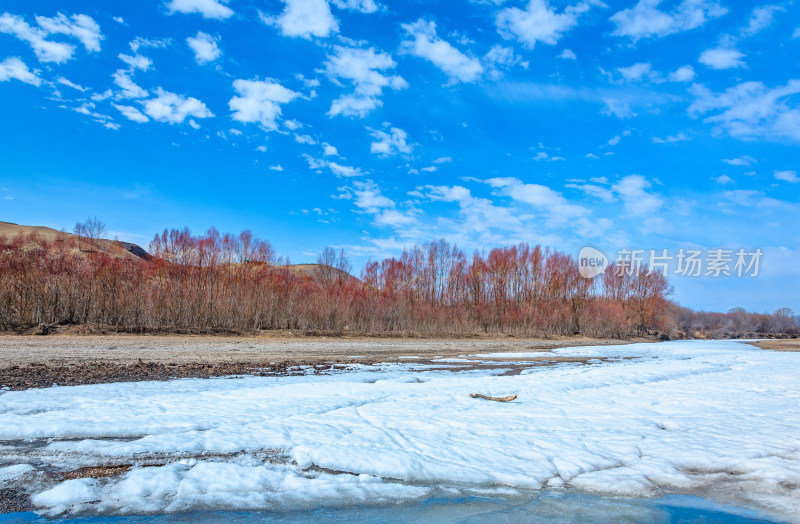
x,y
375,125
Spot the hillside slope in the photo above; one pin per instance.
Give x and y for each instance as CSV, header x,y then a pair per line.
x,y
115,248
127,250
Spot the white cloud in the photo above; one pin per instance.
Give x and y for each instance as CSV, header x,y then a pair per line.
x,y
304,19
391,143
362,6
617,107
81,27
173,108
292,125
208,8
541,197
139,42
740,161
259,101
671,139
131,113
45,50
368,198
129,88
749,198
538,22
336,168
88,109
305,139
329,150
99,97
750,110
638,72
136,62
443,160
343,171
645,20
429,169
367,195
542,155
594,190
722,58
395,218
682,74
501,58
568,54
796,33
278,168
14,68
723,180
760,19
479,214
425,43
64,81
787,176
637,201
364,69
205,47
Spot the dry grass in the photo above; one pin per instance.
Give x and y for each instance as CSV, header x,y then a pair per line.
x,y
792,344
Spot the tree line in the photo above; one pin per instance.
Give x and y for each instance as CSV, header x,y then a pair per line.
x,y
218,282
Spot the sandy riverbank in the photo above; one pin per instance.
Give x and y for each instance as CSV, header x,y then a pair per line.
x,y
185,349
779,345
42,361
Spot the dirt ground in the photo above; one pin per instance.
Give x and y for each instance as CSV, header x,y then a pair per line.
x,y
779,345
17,350
28,361
67,360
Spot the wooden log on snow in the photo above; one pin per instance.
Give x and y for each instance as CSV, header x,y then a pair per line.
x,y
496,399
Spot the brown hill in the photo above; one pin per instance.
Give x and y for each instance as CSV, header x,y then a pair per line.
x,y
319,272
127,250
115,248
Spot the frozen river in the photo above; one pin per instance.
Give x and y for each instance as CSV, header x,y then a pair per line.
x,y
720,420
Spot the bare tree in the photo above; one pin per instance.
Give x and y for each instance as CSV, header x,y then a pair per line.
x,y
326,264
343,265
92,229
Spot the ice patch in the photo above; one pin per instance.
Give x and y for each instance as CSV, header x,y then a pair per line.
x,y
69,495
11,472
246,485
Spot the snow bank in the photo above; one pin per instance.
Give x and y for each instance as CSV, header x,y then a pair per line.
x,y
245,485
680,417
11,472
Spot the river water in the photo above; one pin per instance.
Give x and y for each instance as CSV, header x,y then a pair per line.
x,y
549,507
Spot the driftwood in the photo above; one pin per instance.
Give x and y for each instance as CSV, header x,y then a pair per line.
x,y
496,399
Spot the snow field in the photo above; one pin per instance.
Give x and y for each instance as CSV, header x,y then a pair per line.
x,y
720,418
